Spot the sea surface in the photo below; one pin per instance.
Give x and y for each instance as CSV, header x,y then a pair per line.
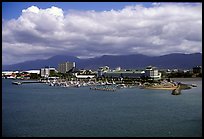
x,y
31,110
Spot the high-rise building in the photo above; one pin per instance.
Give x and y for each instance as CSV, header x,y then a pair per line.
x,y
66,67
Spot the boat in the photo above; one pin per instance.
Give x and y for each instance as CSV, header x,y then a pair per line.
x,y
51,84
17,83
11,77
78,85
107,83
193,85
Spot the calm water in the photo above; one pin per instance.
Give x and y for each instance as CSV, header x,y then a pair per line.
x,y
42,110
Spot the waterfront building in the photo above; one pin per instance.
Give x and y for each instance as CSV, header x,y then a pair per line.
x,y
168,71
9,74
24,75
175,70
82,71
33,71
124,74
66,67
152,72
84,76
118,69
185,71
102,70
197,69
45,72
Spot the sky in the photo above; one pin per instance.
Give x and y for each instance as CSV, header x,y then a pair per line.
x,y
40,30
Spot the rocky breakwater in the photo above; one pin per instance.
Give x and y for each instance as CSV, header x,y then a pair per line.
x,y
180,87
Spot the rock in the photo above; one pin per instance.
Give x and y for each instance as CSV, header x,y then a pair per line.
x,y
176,92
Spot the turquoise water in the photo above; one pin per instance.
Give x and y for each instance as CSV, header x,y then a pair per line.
x,y
42,110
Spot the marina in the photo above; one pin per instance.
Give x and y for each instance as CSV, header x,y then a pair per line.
x,y
103,88
42,110
108,69
175,87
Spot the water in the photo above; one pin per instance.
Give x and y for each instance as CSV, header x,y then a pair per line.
x,y
42,110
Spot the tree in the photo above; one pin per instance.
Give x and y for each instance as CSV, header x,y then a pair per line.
x,y
34,76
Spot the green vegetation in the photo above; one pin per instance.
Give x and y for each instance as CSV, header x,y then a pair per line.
x,y
183,75
34,76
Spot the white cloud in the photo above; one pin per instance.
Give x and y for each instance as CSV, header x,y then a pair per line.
x,y
161,29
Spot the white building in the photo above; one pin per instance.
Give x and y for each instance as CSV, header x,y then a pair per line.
x,y
66,67
118,69
152,72
102,70
33,71
123,74
7,72
45,72
85,76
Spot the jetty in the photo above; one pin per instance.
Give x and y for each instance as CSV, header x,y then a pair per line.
x,y
26,82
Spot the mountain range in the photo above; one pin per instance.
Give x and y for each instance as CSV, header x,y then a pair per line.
x,y
137,61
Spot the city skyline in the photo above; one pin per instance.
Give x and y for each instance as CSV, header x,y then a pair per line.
x,y
43,30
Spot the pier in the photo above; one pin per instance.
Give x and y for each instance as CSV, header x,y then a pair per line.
x,y
26,82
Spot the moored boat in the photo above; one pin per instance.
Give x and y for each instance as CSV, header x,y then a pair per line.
x,y
17,83
193,85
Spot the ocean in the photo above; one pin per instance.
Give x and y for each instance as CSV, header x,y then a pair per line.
x,y
39,110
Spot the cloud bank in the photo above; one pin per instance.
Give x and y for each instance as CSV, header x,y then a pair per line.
x,y
157,30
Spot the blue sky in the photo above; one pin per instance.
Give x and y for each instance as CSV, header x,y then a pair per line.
x,y
40,30
13,9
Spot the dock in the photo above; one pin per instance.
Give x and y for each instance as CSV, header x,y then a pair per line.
x,y
26,82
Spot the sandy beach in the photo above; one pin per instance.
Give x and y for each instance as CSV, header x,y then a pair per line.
x,y
161,88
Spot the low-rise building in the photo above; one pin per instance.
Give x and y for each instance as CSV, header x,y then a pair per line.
x,y
9,74
152,72
124,74
197,69
102,70
45,72
84,76
33,71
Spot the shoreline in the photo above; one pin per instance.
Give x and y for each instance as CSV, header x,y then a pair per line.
x,y
187,79
158,88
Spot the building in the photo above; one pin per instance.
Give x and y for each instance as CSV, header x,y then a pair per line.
x,y
118,69
33,71
66,67
45,72
9,74
102,70
124,74
152,72
85,76
197,69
